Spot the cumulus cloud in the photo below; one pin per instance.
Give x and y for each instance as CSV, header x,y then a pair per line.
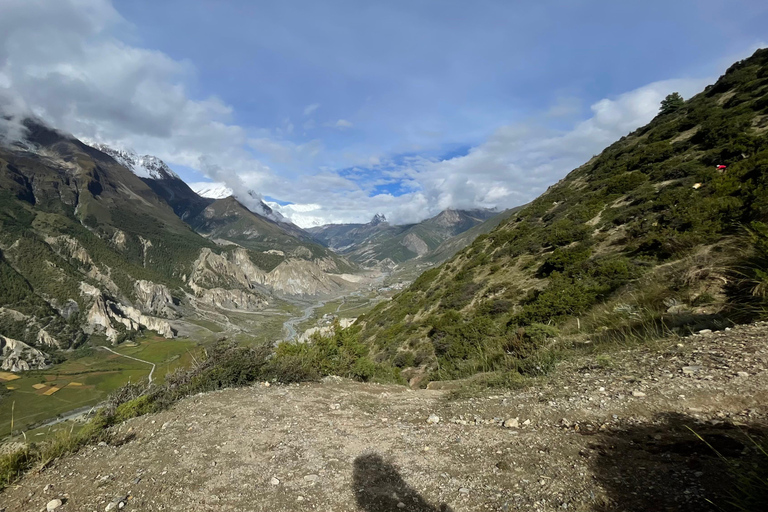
x,y
61,60
513,166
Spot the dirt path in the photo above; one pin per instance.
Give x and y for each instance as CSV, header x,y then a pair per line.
x,y
151,372
604,433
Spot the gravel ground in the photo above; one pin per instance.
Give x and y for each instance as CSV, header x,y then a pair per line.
x,y
602,433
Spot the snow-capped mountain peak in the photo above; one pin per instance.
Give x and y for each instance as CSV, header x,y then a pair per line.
x,y
211,190
146,166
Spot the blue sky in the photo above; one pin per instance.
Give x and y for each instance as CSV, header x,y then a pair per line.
x,y
346,108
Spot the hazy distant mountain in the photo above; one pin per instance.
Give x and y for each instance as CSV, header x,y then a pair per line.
x,y
378,241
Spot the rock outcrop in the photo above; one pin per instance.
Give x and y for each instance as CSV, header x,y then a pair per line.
x,y
154,299
234,269
44,338
19,357
415,244
103,312
232,299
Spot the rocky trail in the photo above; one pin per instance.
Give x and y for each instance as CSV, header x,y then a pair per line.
x,y
601,433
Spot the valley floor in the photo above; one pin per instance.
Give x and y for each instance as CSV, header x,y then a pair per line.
x,y
607,436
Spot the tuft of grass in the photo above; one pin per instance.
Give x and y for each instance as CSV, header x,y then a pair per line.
x,y
749,491
16,463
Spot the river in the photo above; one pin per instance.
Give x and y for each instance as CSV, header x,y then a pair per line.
x,y
289,326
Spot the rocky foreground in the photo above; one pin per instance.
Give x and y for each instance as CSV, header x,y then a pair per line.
x,y
603,433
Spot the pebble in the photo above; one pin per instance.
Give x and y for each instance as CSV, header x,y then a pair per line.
x,y
638,394
274,481
335,407
690,370
512,423
53,505
464,490
433,419
742,374
311,478
400,504
47,488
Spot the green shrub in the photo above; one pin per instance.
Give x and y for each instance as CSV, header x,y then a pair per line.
x,y
404,359
136,407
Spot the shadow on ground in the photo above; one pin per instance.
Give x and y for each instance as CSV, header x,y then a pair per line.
x,y
665,466
379,487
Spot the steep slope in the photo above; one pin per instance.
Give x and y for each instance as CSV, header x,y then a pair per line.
x,y
378,241
647,236
87,247
341,237
212,190
227,219
161,179
451,246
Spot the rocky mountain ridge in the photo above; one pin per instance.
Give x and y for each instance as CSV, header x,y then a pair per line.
x,y
379,242
90,248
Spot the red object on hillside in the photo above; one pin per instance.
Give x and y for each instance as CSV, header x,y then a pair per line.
x,y
721,167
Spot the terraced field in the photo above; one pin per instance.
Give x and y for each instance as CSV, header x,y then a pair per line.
x,y
85,379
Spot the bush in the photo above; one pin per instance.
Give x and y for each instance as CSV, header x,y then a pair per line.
x,y
404,359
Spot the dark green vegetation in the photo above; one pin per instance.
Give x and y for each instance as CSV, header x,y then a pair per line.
x,y
377,241
646,238
74,215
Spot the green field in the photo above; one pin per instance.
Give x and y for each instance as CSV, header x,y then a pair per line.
x,y
86,379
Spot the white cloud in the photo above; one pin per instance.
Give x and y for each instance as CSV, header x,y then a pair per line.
x,y
513,166
309,109
342,124
61,58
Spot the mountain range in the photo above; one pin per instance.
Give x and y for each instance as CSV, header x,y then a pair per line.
x,y
379,242
99,241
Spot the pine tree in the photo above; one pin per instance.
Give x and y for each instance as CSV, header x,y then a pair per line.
x,y
671,103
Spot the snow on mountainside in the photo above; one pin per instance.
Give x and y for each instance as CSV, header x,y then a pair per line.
x,y
212,190
146,166
251,199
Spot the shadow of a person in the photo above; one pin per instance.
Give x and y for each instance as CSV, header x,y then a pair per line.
x,y
379,487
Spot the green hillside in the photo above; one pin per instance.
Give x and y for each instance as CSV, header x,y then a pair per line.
x,y
645,238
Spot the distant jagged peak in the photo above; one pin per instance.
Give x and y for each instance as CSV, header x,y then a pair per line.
x,y
379,218
143,166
